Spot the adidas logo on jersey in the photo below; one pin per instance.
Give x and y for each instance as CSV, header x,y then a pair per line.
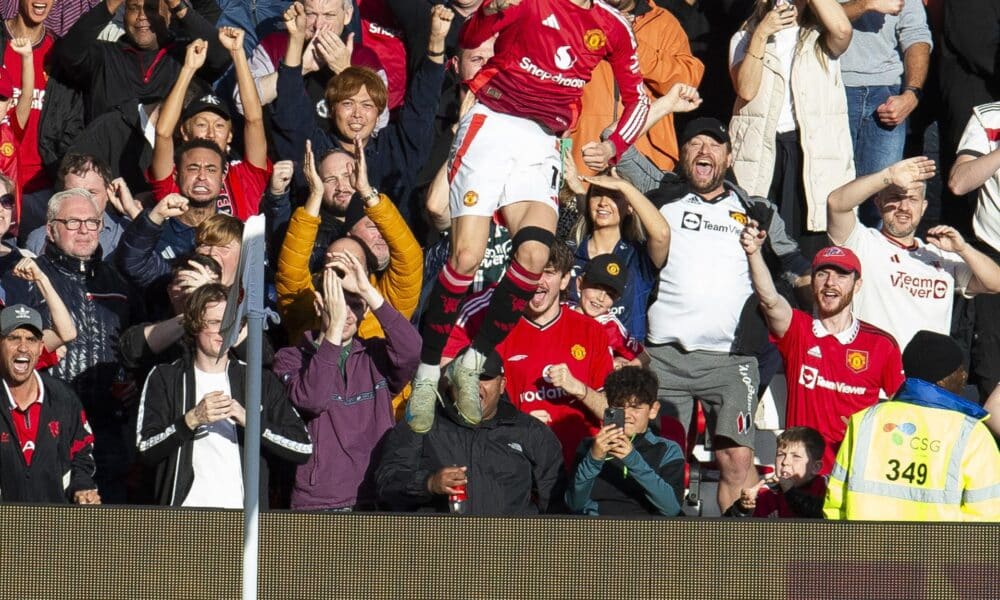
x,y
814,351
550,21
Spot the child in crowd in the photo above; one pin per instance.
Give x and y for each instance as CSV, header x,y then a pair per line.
x,y
630,470
14,118
598,287
798,490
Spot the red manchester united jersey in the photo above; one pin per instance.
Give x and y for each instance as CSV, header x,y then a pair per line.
x,y
835,375
546,51
529,350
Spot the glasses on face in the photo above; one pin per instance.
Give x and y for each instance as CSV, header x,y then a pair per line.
x,y
7,201
75,224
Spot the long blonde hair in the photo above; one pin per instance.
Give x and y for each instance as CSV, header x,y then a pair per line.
x,y
808,21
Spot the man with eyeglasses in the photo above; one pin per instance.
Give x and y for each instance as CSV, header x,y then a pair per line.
x,y
102,304
911,284
113,198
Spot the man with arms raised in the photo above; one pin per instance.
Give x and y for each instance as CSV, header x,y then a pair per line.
x,y
911,283
835,365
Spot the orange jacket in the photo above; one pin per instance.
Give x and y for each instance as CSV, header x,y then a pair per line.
x,y
665,59
399,283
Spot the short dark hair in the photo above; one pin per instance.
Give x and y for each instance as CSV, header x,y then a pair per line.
x,y
198,143
631,386
181,264
79,164
194,312
560,257
814,443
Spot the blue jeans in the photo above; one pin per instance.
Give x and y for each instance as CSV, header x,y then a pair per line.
x,y
876,146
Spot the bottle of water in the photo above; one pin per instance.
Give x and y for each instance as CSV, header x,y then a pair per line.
x,y
458,502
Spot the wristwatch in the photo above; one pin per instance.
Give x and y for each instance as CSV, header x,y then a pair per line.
x,y
919,93
370,196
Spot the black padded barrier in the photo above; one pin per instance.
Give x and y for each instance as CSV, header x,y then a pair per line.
x,y
151,553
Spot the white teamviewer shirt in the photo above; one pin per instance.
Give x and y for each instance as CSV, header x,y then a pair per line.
x,y
904,290
982,136
706,280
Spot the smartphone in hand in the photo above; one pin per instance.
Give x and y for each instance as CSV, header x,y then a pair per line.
x,y
614,416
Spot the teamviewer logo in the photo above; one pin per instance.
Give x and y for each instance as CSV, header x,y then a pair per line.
x,y
691,221
808,377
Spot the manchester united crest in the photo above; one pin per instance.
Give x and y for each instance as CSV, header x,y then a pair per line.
x,y
594,39
613,269
857,360
738,217
7,149
470,198
578,352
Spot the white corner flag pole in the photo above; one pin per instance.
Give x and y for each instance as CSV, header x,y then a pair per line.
x,y
246,298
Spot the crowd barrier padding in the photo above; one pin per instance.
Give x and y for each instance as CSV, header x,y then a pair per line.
x,y
134,553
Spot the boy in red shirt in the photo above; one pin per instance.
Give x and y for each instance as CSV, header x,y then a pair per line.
x,y
798,490
599,287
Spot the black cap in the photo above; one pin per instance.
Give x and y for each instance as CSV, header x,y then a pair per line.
x,y
207,103
493,367
932,356
705,125
608,270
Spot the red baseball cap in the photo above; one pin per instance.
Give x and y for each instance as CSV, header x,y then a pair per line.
x,y
837,257
6,85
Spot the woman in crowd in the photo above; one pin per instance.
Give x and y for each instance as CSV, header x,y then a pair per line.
x,y
791,140
617,219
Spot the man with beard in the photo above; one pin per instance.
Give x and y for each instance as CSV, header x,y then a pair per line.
x,y
167,230
394,262
912,283
704,329
835,364
42,421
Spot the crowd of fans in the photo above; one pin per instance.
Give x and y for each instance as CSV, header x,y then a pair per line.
x,y
514,246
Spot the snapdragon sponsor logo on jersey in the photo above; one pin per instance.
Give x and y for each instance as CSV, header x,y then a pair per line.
x,y
920,287
698,222
540,73
810,378
379,30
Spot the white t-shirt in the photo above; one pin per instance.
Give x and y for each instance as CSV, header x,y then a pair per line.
x,y
982,136
904,290
218,469
706,280
784,47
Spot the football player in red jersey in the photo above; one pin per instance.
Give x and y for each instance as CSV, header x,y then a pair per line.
x,y
835,364
507,157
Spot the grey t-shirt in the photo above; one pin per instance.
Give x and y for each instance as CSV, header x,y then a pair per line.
x,y
875,56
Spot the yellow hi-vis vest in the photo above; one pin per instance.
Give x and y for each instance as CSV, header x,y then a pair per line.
x,y
904,462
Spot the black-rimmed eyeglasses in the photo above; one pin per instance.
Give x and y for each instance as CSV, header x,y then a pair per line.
x,y
74,224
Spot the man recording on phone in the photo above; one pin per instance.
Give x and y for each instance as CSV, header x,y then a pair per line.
x,y
626,469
